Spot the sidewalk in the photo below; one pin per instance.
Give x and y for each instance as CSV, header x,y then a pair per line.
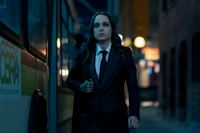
x,y
152,123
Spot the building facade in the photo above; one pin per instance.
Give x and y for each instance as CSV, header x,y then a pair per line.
x,y
179,43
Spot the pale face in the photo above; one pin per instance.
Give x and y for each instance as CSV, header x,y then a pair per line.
x,y
102,29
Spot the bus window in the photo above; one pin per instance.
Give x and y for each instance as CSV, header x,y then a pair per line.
x,y
37,23
10,14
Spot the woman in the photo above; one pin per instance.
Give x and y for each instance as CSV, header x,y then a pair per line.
x,y
98,78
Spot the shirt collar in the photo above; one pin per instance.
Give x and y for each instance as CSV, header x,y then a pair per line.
x,y
98,48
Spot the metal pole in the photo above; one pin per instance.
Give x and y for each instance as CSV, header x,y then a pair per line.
x,y
53,69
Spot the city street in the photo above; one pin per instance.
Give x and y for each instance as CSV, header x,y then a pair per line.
x,y
152,123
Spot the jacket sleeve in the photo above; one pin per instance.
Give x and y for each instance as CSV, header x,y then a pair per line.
x,y
133,89
74,77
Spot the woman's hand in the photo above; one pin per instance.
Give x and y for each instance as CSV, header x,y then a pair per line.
x,y
133,122
87,86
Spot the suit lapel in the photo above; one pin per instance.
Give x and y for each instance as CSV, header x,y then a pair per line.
x,y
112,63
93,73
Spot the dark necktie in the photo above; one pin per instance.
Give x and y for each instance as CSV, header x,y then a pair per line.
x,y
102,66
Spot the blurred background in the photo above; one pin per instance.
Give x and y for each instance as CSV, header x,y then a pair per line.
x,y
164,36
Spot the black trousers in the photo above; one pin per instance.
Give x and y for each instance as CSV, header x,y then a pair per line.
x,y
98,122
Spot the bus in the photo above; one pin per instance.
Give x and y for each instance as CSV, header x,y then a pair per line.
x,y
37,48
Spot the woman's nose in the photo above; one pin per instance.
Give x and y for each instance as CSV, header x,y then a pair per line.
x,y
101,28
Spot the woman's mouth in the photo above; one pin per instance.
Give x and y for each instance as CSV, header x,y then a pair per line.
x,y
101,34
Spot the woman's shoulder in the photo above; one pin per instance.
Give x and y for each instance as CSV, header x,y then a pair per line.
x,y
82,51
126,49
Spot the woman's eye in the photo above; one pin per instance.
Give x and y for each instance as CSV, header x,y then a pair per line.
x,y
105,25
96,25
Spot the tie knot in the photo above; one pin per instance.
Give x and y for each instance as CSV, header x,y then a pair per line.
x,y
104,52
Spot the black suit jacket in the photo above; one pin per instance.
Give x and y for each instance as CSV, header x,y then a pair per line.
x,y
110,95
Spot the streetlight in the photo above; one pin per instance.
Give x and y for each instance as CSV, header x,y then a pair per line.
x,y
139,42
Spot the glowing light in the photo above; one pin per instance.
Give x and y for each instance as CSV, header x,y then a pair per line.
x,y
139,42
151,53
64,72
58,43
142,63
149,103
151,63
127,41
64,40
157,68
121,37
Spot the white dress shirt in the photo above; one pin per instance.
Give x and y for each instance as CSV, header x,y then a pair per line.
x,y
99,56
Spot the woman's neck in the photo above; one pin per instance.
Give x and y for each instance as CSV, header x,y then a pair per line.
x,y
104,44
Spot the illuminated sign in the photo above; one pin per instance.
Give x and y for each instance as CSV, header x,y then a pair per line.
x,y
151,53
